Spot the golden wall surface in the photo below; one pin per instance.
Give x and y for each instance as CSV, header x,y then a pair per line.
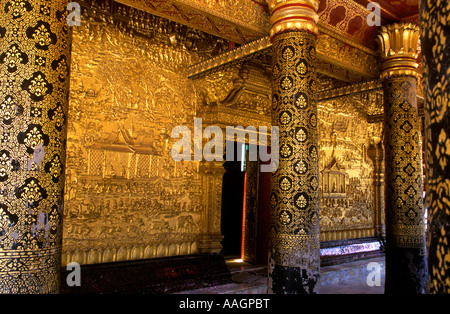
x,y
125,197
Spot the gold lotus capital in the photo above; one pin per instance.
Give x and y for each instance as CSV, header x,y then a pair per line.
x,y
398,46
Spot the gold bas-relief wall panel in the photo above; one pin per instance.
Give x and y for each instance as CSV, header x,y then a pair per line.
x,y
347,199
125,198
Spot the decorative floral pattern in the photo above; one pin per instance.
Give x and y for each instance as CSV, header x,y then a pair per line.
x,y
295,199
37,86
9,110
435,38
42,35
403,176
13,58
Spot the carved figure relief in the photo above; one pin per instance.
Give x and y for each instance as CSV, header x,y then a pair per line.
x,y
346,174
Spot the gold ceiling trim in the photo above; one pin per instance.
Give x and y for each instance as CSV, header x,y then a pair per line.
x,y
332,51
242,21
246,51
239,21
366,86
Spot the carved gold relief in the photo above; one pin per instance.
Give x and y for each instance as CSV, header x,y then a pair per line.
x,y
335,58
354,60
125,196
239,21
126,199
347,207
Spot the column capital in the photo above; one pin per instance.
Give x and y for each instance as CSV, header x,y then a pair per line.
x,y
295,15
398,47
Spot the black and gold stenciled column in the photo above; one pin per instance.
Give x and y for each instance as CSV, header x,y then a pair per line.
x,y
35,43
294,251
435,37
406,267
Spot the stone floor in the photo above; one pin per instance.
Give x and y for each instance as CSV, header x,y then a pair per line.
x,y
348,278
353,278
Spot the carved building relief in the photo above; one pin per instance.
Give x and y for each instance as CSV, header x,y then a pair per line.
x,y
347,200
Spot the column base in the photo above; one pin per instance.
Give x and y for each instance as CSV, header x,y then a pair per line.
x,y
406,271
210,244
293,280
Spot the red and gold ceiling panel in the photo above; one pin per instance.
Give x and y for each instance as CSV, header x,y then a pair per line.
x,y
242,21
349,19
396,10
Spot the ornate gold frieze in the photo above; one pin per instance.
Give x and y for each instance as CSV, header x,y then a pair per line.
x,y
340,54
242,53
367,86
335,58
398,46
239,21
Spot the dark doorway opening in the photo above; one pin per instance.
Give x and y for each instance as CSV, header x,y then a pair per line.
x,y
245,220
232,205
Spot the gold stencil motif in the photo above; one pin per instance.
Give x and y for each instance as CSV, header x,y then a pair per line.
x,y
405,217
435,39
295,193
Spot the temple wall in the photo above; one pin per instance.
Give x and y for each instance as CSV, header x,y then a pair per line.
x,y
125,198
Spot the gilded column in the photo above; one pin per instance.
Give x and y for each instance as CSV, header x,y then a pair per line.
x,y
294,250
212,181
406,267
375,152
435,38
35,43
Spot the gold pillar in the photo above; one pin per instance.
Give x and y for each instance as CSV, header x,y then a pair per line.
x,y
435,38
375,152
405,217
212,181
294,250
34,86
